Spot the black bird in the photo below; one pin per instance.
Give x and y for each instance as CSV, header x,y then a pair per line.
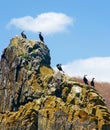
x,y
85,79
92,82
23,35
59,67
41,37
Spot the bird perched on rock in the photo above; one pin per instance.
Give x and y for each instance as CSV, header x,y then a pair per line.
x,y
59,67
85,79
92,82
41,37
23,35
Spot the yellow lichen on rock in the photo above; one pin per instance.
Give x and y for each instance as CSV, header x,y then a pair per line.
x,y
34,96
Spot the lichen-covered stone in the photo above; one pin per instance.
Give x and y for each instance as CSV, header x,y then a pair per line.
x,y
35,97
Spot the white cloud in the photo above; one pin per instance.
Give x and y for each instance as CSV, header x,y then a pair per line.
x,y
97,67
50,22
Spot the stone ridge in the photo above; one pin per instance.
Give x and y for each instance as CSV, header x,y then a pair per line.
x,y
35,97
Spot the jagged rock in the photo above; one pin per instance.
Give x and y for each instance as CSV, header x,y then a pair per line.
x,y
20,65
35,97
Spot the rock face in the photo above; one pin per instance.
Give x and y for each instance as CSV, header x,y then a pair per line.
x,y
21,62
35,97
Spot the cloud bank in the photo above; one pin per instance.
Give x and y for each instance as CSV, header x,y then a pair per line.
x,y
97,67
50,22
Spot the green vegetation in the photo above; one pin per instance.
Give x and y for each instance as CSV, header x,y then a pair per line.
x,y
28,67
24,55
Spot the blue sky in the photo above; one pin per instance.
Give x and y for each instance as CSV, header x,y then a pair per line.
x,y
75,31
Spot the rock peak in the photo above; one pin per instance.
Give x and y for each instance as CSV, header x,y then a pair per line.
x,y
27,49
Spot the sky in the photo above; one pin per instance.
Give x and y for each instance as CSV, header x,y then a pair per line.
x,y
77,32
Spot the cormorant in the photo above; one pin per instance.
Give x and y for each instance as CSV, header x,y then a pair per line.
x,y
85,79
41,37
59,67
92,82
23,35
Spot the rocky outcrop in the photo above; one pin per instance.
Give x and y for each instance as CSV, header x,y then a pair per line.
x,y
20,67
35,97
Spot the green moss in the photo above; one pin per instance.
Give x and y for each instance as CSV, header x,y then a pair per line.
x,y
14,44
28,67
33,50
24,55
